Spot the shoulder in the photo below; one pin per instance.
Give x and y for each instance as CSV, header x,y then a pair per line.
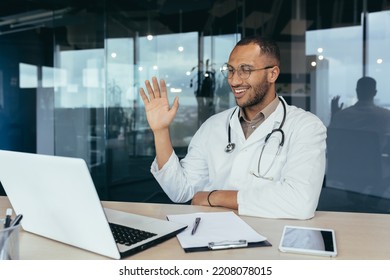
x,y
298,115
304,124
382,110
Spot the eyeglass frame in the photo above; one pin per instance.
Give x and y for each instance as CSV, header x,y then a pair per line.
x,y
226,71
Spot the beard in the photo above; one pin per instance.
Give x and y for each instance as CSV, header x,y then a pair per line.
x,y
260,92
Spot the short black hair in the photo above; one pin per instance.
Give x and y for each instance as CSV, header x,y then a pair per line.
x,y
366,88
366,83
267,45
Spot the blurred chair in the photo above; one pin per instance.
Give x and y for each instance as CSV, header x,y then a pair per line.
x,y
356,161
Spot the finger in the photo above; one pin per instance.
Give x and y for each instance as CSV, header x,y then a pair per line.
x,y
156,88
149,89
175,105
163,89
144,98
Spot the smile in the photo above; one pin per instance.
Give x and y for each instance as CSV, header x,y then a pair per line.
x,y
238,93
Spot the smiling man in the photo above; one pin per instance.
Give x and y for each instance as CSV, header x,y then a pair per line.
x,y
263,157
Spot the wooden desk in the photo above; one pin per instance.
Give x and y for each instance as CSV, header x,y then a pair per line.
x,y
359,236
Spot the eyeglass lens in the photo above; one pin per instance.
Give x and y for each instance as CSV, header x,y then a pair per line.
x,y
243,71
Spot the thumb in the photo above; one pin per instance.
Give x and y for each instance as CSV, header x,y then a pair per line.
x,y
175,105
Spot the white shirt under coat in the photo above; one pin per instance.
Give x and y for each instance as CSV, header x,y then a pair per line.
x,y
297,173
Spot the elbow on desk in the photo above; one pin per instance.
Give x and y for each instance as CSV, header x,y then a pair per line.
x,y
280,215
304,210
299,211
304,216
178,197
277,207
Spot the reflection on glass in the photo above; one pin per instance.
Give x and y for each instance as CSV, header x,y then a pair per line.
x,y
47,77
85,79
303,239
28,76
79,105
358,145
358,141
378,57
339,69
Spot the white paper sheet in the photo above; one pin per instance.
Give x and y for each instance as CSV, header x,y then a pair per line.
x,y
214,227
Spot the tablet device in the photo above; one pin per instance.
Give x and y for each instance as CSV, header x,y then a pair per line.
x,y
306,240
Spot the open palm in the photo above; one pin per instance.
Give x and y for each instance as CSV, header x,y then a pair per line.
x,y
158,112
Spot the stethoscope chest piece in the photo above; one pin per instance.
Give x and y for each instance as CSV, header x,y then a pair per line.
x,y
230,147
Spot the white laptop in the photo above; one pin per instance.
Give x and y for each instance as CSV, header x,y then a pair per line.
x,y
58,200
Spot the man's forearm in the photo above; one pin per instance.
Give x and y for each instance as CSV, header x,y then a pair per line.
x,y
222,198
163,144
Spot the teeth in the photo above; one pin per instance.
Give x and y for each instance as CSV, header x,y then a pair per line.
x,y
240,90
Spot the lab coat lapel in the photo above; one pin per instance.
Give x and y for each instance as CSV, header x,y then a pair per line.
x,y
236,129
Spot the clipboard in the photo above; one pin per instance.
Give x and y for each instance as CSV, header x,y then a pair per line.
x,y
217,231
228,245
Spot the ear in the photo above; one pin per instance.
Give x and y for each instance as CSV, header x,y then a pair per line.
x,y
273,74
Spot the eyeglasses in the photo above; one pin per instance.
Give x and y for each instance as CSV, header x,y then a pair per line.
x,y
244,71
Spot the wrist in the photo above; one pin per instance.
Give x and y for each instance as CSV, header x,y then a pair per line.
x,y
209,198
162,132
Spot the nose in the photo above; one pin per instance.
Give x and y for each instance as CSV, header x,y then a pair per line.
x,y
235,79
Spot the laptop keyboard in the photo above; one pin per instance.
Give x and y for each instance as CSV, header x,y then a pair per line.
x,y
129,236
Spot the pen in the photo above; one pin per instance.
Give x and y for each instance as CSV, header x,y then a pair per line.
x,y
8,218
196,224
17,220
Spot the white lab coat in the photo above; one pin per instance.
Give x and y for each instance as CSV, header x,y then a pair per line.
x,y
297,172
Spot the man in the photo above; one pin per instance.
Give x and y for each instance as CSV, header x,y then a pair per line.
x,y
281,179
364,115
358,145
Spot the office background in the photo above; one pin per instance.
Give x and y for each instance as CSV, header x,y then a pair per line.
x,y
70,73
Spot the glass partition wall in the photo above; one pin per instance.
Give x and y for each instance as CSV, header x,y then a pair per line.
x,y
70,74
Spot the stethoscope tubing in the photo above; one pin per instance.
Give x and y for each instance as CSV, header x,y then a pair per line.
x,y
231,146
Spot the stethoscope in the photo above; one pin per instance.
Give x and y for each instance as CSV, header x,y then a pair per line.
x,y
231,146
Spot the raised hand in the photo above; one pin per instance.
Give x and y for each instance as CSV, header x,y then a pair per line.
x,y
335,107
158,112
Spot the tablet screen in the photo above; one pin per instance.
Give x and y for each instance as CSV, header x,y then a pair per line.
x,y
308,240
